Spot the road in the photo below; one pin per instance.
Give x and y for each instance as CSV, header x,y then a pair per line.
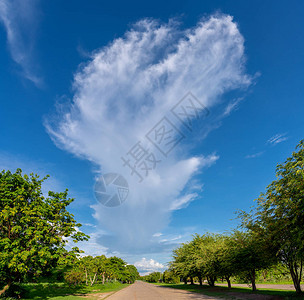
x,y
146,291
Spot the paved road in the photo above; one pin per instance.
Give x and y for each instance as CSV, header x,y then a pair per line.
x,y
146,291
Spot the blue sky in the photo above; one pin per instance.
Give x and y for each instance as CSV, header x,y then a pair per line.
x,y
83,81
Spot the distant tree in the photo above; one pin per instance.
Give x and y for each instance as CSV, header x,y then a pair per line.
x,y
131,274
33,228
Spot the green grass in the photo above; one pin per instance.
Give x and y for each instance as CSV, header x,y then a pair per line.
x,y
59,291
226,293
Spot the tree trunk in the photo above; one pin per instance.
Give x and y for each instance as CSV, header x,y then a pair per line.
x,y
6,287
228,281
252,279
200,280
86,276
191,279
92,281
295,278
103,278
211,280
185,280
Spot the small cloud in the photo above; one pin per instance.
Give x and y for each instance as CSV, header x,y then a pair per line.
x,y
258,154
232,106
146,266
89,225
19,18
183,201
278,138
158,234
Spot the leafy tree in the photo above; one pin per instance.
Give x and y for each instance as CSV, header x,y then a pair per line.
x,y
153,277
182,264
73,277
33,228
250,253
225,266
280,214
116,268
131,274
205,256
170,277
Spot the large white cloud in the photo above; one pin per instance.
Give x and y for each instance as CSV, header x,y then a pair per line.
x,y
123,91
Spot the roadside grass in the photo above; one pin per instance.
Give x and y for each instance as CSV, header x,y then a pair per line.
x,y
258,282
59,291
224,292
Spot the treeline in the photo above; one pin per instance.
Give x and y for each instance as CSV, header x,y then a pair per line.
x,y
166,277
272,234
34,230
99,269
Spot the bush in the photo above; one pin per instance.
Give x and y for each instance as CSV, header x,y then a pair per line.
x,y
73,277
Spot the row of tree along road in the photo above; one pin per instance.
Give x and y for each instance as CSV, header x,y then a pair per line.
x,y
34,230
270,237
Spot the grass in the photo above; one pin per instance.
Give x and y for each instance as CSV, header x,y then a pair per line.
x,y
61,291
259,282
226,293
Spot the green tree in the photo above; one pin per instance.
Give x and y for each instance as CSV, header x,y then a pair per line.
x,y
116,268
170,277
225,266
280,213
205,256
250,253
33,228
131,274
183,264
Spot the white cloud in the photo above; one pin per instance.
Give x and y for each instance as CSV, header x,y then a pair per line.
x,y
157,234
278,138
183,201
123,91
233,105
145,266
19,18
254,155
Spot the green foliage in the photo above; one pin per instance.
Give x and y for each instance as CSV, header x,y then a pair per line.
x,y
131,274
15,291
92,270
33,228
74,277
280,213
170,277
213,256
153,277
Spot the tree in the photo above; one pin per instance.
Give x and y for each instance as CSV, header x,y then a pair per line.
x,y
116,268
280,213
131,274
153,277
170,277
183,263
205,256
250,253
225,265
33,228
